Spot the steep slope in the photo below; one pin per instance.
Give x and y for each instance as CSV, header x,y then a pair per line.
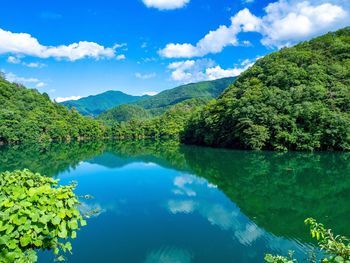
x,y
297,98
204,90
28,116
96,104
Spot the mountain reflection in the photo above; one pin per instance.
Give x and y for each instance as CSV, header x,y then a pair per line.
x,y
276,191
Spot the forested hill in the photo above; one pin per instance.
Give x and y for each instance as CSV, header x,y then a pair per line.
x,y
28,116
297,98
202,90
96,104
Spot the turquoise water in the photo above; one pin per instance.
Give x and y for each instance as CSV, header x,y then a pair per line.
x,y
161,202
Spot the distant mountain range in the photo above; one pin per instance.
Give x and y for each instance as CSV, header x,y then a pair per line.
x,y
202,90
96,104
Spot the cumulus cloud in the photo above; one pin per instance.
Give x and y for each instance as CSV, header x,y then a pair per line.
x,y
145,76
40,84
215,41
121,57
17,60
166,4
26,45
203,69
285,23
150,93
23,80
34,65
11,77
62,99
13,60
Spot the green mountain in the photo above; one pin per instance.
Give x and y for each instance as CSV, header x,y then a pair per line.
x,y
28,116
297,98
168,125
202,90
124,112
165,100
96,104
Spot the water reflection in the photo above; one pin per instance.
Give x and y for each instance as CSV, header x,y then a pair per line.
x,y
162,202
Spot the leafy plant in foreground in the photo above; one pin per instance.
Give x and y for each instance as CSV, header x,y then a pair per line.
x,y
36,214
280,259
335,246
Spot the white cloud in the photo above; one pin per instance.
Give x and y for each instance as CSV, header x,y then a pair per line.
x,y
13,60
190,70
145,76
166,4
11,77
150,93
62,99
40,84
25,44
22,80
34,65
218,72
203,69
121,57
215,41
17,60
285,23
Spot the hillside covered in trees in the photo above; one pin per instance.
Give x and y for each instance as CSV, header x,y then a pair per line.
x,y
28,116
202,90
124,112
168,125
162,115
96,104
297,98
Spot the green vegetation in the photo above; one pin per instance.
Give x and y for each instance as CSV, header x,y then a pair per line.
x,y
206,90
96,104
49,159
168,125
297,98
336,247
125,112
28,116
276,190
35,214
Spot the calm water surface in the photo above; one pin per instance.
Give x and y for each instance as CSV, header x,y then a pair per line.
x,y
161,202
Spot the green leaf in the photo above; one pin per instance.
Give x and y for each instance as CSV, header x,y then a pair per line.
x,y
25,240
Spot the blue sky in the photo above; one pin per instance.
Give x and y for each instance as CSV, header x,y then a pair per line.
x,y
77,48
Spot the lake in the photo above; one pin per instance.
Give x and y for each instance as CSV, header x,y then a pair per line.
x,y
164,202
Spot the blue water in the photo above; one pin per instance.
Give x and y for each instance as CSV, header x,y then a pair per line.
x,y
166,203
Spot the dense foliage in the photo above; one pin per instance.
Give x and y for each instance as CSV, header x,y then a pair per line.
x,y
335,246
158,104
96,104
35,214
26,115
168,125
125,112
161,102
277,191
297,98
